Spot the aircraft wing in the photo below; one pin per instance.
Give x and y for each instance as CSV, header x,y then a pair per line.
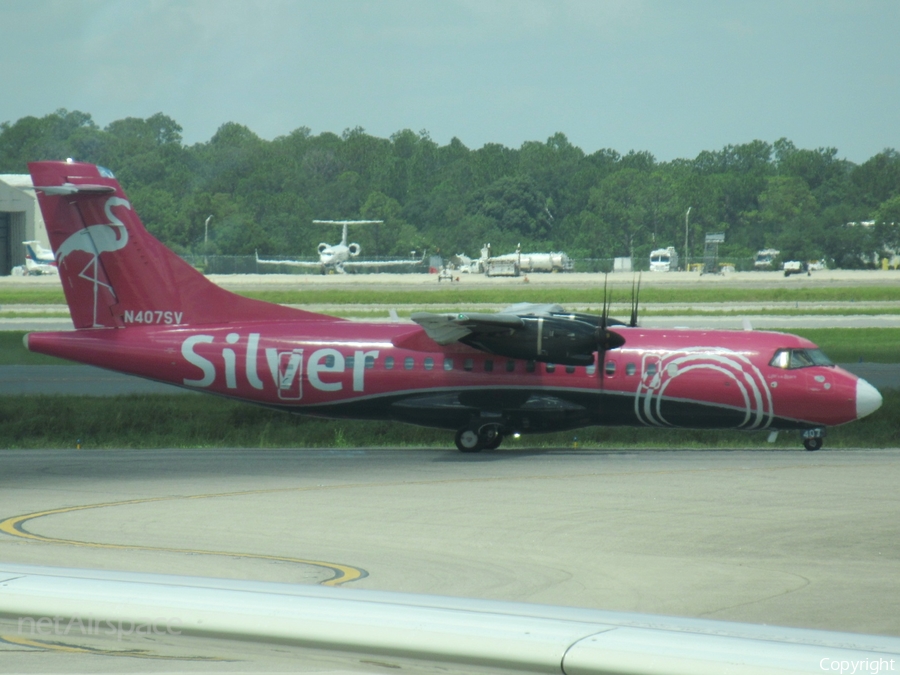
x,y
542,332
447,328
380,263
289,263
423,632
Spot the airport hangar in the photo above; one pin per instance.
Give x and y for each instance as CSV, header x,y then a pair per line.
x,y
20,220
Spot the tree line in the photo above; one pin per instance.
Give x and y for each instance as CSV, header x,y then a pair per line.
x,y
263,195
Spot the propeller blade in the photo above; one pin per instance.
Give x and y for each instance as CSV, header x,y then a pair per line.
x,y
603,313
635,299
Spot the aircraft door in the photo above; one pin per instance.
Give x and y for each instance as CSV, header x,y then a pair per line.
x,y
287,371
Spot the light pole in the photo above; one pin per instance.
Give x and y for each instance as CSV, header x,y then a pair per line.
x,y
687,262
206,238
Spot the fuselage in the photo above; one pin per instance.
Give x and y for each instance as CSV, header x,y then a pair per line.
x,y
138,308
660,377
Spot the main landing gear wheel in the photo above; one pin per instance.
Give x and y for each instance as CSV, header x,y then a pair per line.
x,y
812,444
468,440
475,440
494,443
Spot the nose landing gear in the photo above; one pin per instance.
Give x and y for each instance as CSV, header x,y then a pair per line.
x,y
476,439
813,438
812,444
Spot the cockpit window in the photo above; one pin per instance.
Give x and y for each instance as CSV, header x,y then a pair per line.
x,y
790,359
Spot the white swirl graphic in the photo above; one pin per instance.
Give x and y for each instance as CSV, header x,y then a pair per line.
x,y
660,371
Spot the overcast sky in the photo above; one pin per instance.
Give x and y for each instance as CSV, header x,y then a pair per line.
x,y
674,78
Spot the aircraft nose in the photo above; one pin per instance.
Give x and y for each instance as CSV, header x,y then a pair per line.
x,y
868,399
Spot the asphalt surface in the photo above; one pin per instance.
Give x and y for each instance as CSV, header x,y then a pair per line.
x,y
778,537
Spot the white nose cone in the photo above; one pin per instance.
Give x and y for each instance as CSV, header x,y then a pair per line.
x,y
868,400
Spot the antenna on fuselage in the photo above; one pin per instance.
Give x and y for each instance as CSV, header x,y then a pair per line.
x,y
606,339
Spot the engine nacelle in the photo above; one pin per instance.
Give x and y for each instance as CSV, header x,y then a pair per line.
x,y
563,340
354,249
323,247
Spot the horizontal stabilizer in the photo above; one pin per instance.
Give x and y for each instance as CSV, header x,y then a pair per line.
x,y
71,189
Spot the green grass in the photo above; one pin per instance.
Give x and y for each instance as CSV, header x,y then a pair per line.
x,y
363,312
34,315
32,296
161,421
13,352
849,345
461,295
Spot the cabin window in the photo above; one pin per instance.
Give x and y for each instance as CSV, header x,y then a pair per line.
x,y
510,366
429,363
630,369
409,362
591,369
348,362
468,364
329,360
651,368
389,363
489,366
570,369
370,362
790,359
551,368
529,366
610,368
448,364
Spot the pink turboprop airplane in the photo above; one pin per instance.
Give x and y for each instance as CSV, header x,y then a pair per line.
x,y
140,309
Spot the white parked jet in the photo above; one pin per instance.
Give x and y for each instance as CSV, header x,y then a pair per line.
x,y
336,257
39,260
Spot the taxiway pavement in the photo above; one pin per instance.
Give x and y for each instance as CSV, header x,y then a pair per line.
x,y
769,536
780,537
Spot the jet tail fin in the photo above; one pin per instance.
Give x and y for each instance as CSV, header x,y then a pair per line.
x,y
114,272
30,252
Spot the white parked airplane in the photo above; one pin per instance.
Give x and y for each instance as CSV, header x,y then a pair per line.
x,y
39,260
336,257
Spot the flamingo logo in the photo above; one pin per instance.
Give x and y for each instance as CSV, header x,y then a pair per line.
x,y
94,240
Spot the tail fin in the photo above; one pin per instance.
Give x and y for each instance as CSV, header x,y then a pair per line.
x,y
115,273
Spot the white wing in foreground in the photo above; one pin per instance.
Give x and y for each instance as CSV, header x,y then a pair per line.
x,y
437,630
